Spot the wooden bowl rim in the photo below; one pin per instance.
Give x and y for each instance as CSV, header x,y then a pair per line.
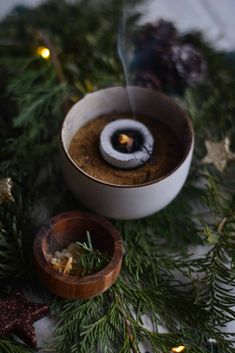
x,y
46,266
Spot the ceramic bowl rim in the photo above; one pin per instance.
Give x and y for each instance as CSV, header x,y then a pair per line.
x,y
133,186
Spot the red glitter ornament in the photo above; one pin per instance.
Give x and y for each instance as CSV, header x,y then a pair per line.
x,y
17,316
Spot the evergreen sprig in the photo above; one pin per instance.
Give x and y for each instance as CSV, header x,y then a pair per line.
x,y
14,237
217,283
10,346
91,260
160,281
192,308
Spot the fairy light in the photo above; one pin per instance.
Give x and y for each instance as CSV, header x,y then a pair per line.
x,y
44,52
178,349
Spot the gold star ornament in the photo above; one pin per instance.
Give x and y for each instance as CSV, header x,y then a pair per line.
x,y
218,153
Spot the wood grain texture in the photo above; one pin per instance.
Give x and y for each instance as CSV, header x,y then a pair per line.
x,y
68,227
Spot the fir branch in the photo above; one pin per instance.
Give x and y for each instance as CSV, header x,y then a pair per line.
x,y
10,346
154,291
163,226
34,130
14,224
215,288
91,260
190,297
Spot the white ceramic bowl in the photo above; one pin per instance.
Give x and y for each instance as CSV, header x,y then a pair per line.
x,y
118,201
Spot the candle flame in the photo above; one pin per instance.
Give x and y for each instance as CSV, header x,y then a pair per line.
x,y
123,139
44,52
178,349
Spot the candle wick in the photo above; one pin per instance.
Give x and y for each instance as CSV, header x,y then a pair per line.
x,y
146,149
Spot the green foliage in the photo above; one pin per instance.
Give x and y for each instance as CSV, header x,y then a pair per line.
x,y
92,261
192,298
109,324
9,346
215,290
148,286
38,98
14,237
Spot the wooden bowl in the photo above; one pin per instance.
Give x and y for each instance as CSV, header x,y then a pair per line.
x,y
69,227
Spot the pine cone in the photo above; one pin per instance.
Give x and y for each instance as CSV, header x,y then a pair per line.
x,y
189,64
162,34
161,62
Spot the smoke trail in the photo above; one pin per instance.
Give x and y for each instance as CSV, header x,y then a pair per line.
x,y
124,53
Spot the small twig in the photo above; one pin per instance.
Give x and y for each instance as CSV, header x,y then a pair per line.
x,y
55,61
222,224
225,219
203,213
54,56
89,240
128,326
130,336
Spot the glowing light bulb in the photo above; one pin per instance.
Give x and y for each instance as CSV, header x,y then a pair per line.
x,y
178,349
44,52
